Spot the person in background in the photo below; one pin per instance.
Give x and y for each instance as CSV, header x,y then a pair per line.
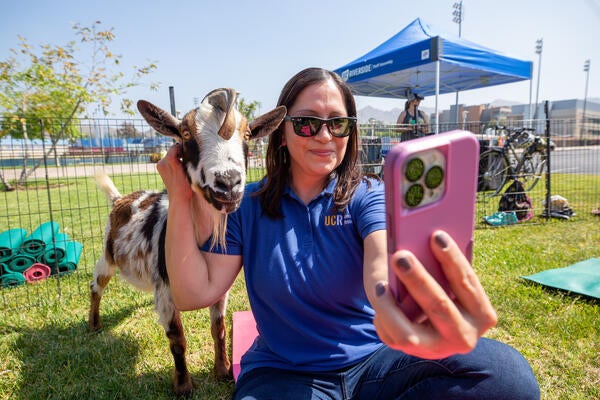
x,y
412,122
311,240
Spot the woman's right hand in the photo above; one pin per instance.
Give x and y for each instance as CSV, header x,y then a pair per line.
x,y
180,192
172,173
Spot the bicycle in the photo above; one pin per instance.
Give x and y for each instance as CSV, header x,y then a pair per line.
x,y
522,156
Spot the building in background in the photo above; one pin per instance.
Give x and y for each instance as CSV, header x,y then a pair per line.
x,y
567,119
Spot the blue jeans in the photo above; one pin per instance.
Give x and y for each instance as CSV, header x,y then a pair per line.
x,y
492,370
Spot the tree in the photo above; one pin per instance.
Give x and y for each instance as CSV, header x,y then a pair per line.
x,y
127,130
57,84
249,109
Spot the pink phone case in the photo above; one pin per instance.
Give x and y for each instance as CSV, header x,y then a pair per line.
x,y
416,205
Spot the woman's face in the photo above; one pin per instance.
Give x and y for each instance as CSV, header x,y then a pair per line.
x,y
319,155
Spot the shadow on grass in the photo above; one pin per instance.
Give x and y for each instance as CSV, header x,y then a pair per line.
x,y
69,362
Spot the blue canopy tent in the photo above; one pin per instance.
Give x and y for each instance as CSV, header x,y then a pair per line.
x,y
422,60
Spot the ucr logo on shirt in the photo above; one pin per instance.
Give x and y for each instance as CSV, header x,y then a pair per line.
x,y
337,220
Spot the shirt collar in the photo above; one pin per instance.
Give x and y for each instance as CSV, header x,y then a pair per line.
x,y
328,190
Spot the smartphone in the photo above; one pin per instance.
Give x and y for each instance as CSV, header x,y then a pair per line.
x,y
430,184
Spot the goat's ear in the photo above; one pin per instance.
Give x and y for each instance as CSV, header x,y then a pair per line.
x,y
163,122
267,123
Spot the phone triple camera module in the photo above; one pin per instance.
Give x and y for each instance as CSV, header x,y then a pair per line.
x,y
424,178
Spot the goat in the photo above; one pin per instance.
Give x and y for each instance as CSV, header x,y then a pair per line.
x,y
214,146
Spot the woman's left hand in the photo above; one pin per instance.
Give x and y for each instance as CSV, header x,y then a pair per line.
x,y
451,327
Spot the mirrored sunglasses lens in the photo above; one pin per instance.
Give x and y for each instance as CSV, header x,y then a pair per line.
x,y
315,125
310,126
303,127
338,126
341,126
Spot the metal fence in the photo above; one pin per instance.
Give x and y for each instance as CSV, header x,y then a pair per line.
x,y
60,187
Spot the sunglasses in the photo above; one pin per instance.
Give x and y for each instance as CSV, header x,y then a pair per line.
x,y
310,126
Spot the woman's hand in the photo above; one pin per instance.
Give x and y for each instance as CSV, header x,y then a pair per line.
x,y
200,213
171,171
452,326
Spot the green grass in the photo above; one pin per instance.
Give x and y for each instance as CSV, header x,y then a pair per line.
x,y
48,353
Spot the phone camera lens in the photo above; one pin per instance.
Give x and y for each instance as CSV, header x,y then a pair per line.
x,y
414,169
434,177
414,195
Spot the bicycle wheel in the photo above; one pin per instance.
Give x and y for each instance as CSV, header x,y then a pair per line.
x,y
532,169
493,171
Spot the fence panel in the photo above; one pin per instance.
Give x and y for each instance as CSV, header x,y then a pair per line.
x,y
61,189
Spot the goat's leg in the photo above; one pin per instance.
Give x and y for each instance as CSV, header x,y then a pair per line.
x,y
218,331
182,382
102,275
170,319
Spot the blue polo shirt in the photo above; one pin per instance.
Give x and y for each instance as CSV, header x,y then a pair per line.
x,y
304,277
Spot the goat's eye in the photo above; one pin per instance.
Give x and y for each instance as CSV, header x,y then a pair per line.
x,y
186,135
247,134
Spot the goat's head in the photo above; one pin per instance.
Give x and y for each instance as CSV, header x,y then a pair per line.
x,y
214,141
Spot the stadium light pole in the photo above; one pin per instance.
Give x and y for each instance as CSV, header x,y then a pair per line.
x,y
539,44
586,69
457,16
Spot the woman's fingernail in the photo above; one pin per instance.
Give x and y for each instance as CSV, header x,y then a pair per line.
x,y
379,289
403,263
441,240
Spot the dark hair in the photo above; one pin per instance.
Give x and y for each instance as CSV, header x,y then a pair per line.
x,y
278,158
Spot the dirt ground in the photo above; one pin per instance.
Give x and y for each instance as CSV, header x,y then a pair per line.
x,y
79,171
83,170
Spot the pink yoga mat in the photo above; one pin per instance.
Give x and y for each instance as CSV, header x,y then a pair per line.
x,y
36,272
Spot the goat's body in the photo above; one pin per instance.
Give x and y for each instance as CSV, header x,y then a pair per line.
x,y
213,157
134,243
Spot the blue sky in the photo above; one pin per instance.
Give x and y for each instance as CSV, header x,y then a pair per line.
x,y
256,46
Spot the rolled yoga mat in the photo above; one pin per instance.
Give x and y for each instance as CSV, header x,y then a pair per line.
x,y
10,242
56,251
20,262
12,279
3,268
34,244
71,260
36,272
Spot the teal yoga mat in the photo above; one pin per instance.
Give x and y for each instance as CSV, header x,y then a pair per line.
x,y
36,242
582,278
12,279
55,252
20,262
10,241
71,260
3,268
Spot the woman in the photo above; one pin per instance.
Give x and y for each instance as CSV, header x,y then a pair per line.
x,y
311,238
412,122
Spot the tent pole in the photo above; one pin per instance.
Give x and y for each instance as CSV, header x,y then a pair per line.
x,y
457,112
529,113
437,94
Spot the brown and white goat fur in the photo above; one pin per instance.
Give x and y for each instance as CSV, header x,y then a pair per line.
x,y
213,139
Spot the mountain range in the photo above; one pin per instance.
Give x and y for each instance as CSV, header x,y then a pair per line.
x,y
391,116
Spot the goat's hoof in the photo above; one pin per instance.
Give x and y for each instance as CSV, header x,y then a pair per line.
x,y
94,327
183,393
184,390
224,372
183,387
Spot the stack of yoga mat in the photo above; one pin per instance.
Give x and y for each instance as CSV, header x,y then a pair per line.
x,y
44,252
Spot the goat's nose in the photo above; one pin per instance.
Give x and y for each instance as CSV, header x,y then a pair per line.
x,y
228,180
